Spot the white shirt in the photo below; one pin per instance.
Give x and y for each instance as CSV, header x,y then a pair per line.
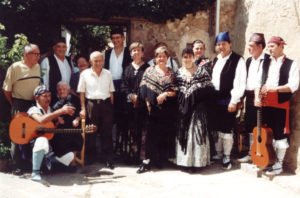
x,y
94,86
64,68
274,72
253,71
115,65
175,66
239,82
38,110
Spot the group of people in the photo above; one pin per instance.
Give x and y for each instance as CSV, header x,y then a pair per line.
x,y
155,111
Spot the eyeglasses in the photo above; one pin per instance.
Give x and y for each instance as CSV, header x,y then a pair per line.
x,y
36,54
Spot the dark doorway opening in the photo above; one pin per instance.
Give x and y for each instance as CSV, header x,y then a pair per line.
x,y
85,35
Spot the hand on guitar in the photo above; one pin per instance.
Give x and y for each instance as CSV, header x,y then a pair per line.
x,y
68,110
75,122
231,107
60,120
268,88
82,113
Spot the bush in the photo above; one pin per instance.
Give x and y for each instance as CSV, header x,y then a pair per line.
x,y
8,55
4,140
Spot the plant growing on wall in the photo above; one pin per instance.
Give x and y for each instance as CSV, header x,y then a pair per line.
x,y
9,55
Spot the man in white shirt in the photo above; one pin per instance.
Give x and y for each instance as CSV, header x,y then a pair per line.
x,y
96,97
256,46
229,80
277,80
56,67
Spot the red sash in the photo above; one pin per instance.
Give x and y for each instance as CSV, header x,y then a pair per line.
x,y
271,100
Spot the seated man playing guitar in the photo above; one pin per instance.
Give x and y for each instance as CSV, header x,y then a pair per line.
x,y
40,145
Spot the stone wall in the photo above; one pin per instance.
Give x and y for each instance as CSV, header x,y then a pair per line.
x,y
273,18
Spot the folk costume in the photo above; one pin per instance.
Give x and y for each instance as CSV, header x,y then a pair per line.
x,y
55,70
160,137
116,65
204,62
192,142
275,111
135,116
229,80
253,66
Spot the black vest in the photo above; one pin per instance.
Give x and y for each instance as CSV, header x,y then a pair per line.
x,y
126,58
55,75
248,62
227,75
283,77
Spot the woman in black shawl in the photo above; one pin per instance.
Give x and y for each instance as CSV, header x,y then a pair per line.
x,y
195,90
157,90
134,109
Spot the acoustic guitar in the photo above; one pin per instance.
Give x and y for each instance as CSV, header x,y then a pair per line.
x,y
262,151
23,129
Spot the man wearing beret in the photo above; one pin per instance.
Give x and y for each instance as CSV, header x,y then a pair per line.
x,y
56,67
256,46
40,146
278,80
229,80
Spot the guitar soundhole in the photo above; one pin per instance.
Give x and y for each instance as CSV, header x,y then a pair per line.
x,y
259,139
23,130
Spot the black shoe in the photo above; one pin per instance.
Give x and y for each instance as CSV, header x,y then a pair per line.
x,y
110,165
17,172
143,168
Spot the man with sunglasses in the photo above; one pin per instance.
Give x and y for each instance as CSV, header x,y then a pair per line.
x,y
21,79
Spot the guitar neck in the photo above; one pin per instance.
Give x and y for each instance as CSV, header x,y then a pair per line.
x,y
46,130
259,121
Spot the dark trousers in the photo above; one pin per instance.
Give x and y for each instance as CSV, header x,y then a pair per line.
x,y
18,152
100,114
275,119
250,113
221,119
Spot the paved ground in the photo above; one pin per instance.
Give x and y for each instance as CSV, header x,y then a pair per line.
x,y
122,182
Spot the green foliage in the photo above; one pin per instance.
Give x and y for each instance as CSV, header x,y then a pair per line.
x,y
8,55
155,10
4,140
41,20
88,38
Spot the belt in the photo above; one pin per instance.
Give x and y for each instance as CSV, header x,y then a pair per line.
x,y
249,92
99,101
